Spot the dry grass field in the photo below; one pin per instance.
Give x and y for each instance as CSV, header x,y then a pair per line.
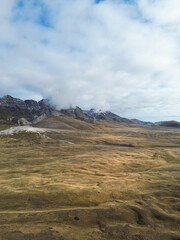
x,y
114,182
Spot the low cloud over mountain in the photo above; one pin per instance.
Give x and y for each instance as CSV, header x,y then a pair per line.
x,y
121,56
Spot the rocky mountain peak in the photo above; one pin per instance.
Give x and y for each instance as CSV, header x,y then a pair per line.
x,y
8,97
13,109
12,102
44,103
82,115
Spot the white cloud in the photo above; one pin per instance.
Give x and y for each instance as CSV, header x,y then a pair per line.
x,y
112,55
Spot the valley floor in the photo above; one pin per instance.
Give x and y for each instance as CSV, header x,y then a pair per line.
x,y
113,182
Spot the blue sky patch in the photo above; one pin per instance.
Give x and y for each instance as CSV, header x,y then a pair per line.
x,y
6,45
20,4
45,42
35,11
129,1
44,16
98,1
120,1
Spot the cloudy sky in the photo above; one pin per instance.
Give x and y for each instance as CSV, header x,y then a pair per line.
x,y
117,55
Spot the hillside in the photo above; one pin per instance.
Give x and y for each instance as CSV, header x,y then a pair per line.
x,y
173,124
137,121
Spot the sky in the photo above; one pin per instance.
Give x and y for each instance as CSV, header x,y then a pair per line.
x,y
116,55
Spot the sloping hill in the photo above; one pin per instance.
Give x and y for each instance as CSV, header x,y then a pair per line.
x,y
108,116
173,124
65,122
137,121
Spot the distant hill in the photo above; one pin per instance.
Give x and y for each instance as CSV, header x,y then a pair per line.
x,y
172,123
137,121
108,116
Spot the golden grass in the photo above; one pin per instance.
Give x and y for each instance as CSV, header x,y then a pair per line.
x,y
113,183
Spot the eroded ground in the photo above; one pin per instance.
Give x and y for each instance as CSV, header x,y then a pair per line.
x,y
112,183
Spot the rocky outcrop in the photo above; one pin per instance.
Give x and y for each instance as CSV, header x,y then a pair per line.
x,y
23,121
32,105
81,115
13,114
15,110
68,112
78,113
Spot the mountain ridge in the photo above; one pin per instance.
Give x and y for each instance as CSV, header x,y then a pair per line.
x,y
27,112
23,112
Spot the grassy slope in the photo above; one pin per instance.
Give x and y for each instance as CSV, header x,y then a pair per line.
x,y
111,184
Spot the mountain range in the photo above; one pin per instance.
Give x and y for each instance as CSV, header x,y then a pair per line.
x,y
17,111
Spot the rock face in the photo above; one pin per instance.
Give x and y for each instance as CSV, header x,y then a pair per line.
x,y
15,110
23,121
78,113
32,105
81,115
